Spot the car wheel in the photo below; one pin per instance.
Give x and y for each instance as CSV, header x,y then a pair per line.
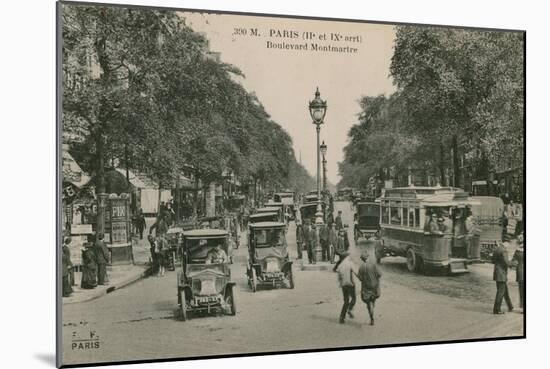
x,y
183,306
230,300
411,260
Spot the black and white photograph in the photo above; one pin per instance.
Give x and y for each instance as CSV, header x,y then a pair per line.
x,y
239,184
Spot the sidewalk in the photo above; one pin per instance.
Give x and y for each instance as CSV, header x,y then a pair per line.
x,y
119,276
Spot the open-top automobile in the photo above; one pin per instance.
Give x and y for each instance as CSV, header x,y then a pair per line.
x,y
268,259
204,281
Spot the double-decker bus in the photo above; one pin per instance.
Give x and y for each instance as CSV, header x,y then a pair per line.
x,y
427,225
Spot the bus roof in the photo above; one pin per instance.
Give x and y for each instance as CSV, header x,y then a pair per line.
x,y
420,191
431,196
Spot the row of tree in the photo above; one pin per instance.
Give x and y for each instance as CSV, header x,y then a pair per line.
x,y
143,87
460,96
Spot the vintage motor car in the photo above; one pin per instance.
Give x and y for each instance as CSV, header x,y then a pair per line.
x,y
487,216
268,260
288,199
204,281
272,209
307,212
367,219
283,209
263,217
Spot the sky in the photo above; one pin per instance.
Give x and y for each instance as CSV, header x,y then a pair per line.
x,y
285,80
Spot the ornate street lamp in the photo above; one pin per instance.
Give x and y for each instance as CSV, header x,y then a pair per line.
x,y
317,110
323,149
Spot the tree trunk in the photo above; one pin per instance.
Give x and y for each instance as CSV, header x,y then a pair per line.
x,y
457,178
443,179
178,199
158,204
100,189
196,195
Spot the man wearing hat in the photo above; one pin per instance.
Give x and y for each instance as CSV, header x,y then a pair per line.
x,y
445,223
310,238
338,220
102,258
346,269
299,237
333,241
500,276
432,226
369,275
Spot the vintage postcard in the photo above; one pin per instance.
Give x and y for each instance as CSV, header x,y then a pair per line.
x,y
236,184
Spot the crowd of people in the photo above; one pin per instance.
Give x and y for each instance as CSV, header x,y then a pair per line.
x,y
332,239
95,257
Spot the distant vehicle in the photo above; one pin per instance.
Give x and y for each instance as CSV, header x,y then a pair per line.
x,y
344,194
204,282
367,219
287,198
272,209
268,259
310,198
404,216
263,217
487,217
308,210
282,208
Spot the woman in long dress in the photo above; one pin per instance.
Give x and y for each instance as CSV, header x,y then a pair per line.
x,y
89,269
67,265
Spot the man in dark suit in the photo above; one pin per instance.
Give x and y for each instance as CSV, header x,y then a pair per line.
x,y
310,238
102,258
338,220
500,276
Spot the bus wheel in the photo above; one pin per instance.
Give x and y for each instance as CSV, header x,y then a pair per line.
x,y
411,260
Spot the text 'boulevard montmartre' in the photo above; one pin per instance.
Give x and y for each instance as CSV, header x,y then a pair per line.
x,y
311,46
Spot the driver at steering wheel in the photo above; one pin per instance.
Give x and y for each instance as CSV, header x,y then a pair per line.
x,y
216,256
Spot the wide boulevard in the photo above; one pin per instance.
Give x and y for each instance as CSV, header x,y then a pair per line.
x,y
140,320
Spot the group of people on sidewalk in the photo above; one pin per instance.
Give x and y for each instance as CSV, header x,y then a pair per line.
x,y
502,263
332,238
158,244
95,257
159,250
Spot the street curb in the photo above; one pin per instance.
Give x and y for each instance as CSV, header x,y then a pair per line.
x,y
103,291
